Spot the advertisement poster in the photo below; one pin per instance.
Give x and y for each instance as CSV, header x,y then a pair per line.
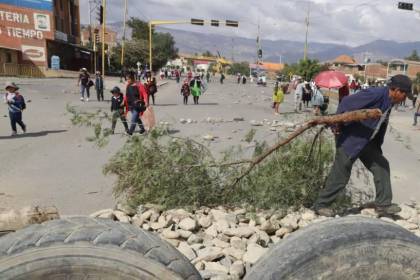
x,y
31,4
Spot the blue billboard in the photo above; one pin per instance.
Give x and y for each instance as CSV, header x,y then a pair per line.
x,y
31,4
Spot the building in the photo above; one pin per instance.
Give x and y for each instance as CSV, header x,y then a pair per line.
x,y
32,31
110,37
269,68
345,64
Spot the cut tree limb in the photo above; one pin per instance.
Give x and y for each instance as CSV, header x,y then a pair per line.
x,y
354,116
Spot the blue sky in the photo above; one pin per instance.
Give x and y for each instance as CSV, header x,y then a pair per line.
x,y
351,22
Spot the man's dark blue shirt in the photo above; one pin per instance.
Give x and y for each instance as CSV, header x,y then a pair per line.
x,y
355,136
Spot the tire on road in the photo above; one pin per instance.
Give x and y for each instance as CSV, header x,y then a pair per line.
x,y
344,249
88,248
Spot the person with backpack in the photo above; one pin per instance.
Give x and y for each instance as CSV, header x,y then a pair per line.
x,y
16,104
85,83
99,86
117,109
195,88
136,104
185,91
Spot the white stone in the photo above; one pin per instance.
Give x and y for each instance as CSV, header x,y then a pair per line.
x,y
184,233
170,234
121,216
146,227
256,123
237,269
214,266
240,232
147,214
208,137
204,221
161,223
212,231
369,212
253,253
291,220
197,246
267,227
263,237
308,215
238,243
199,266
137,220
219,243
193,239
105,213
209,254
233,252
407,225
188,224
275,239
282,231
186,250
173,242
221,225
407,212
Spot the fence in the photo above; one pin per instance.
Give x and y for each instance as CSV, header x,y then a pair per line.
x,y
20,70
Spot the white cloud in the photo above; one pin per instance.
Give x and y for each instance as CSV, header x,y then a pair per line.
x,y
351,22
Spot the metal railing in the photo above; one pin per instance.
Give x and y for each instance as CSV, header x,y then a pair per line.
x,y
20,70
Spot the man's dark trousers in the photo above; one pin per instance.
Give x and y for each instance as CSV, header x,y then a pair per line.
x,y
373,159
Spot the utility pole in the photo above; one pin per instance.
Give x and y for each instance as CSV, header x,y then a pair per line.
x,y
233,50
103,36
305,51
123,38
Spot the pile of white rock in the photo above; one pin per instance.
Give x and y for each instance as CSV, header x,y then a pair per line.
x,y
224,243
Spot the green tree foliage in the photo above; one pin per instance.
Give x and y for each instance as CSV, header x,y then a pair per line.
x,y
241,67
208,54
137,49
305,68
413,56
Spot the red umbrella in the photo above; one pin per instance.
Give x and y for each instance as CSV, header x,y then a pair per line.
x,y
331,79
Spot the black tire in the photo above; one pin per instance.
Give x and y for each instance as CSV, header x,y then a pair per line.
x,y
88,248
345,248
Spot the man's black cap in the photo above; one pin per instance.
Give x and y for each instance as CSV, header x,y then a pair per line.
x,y
403,83
115,90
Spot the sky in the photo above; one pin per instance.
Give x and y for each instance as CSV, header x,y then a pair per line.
x,y
349,22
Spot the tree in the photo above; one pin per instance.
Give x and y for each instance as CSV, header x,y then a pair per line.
x,y
241,67
137,49
140,29
413,56
207,54
305,68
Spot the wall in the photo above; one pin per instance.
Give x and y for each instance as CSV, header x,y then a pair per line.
x,y
9,56
25,29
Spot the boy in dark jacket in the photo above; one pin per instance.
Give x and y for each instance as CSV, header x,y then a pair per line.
x,y
16,104
117,109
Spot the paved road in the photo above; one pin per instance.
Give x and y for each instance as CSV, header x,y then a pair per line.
x,y
53,164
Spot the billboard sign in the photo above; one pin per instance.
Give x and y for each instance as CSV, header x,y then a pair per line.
x,y
30,4
26,30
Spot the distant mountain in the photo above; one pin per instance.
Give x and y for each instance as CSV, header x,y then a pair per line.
x,y
244,49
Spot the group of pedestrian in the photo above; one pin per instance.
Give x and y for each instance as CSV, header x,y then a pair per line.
x,y
194,87
307,94
241,78
85,83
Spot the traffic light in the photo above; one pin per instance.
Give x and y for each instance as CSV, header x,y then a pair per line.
x,y
260,53
232,23
101,14
405,6
214,23
197,21
97,38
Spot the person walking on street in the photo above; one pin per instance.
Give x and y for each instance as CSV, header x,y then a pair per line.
x,y
208,77
343,92
298,95
238,77
222,78
177,76
185,91
195,88
317,101
415,94
278,97
135,103
363,140
243,79
117,109
151,87
16,104
307,95
83,82
99,86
